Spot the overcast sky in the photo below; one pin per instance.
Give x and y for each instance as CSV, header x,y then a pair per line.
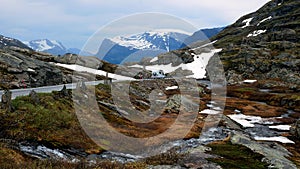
x,y
73,21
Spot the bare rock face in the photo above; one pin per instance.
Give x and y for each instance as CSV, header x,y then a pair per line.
x,y
6,100
19,68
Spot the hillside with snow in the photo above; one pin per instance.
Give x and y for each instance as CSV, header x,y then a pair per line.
x,y
11,42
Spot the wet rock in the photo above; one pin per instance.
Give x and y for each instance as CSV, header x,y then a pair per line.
x,y
64,92
34,97
295,129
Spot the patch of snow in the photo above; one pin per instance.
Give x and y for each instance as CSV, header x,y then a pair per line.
x,y
154,59
256,33
57,43
93,71
26,43
277,139
172,88
268,18
237,111
7,38
247,22
42,45
281,127
209,111
197,66
30,70
245,121
249,81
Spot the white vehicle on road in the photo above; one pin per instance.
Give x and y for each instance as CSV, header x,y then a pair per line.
x,y
158,74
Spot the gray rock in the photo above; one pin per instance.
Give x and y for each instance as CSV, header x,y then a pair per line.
x,y
275,154
295,129
6,100
22,67
34,97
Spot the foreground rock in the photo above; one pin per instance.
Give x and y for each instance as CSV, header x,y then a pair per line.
x,y
19,69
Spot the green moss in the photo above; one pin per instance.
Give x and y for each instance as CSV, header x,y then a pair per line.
x,y
52,120
236,156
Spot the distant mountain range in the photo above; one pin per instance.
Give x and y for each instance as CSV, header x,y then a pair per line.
x,y
120,49
133,48
53,47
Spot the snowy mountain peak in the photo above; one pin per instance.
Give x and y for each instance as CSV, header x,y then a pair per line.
x,y
43,45
53,47
153,40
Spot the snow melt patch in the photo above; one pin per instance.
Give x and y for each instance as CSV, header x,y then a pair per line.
x,y
247,22
154,59
268,18
281,127
172,88
93,71
256,33
209,112
277,139
30,70
249,81
197,66
245,121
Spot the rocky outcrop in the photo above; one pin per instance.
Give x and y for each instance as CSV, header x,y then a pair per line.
x,y
19,69
275,154
263,44
8,42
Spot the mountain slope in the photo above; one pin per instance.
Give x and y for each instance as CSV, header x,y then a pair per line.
x,y
48,46
6,42
118,49
202,35
264,44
